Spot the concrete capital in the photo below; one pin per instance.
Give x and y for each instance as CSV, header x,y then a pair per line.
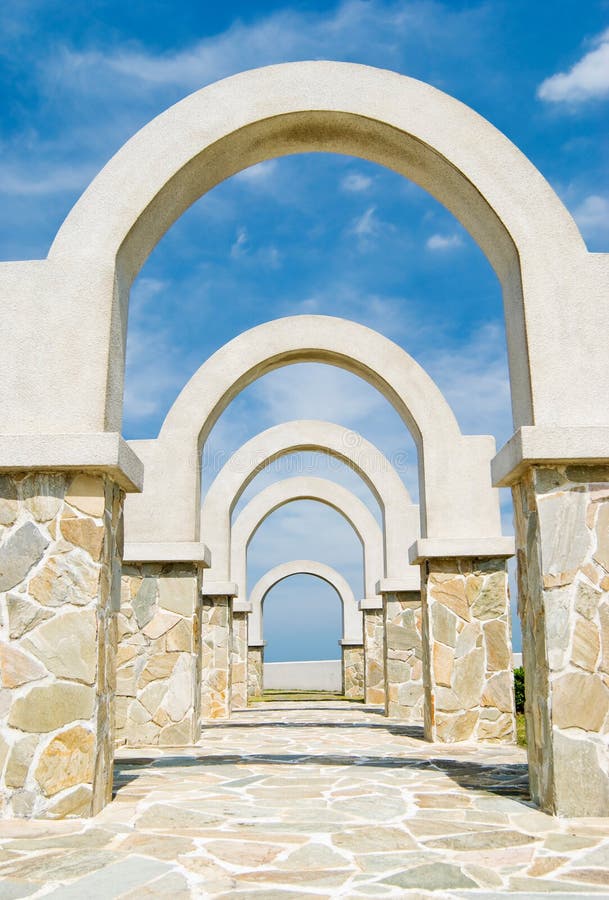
x,y
370,603
411,582
219,589
533,445
105,452
180,551
460,548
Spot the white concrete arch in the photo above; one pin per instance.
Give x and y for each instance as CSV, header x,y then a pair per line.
x,y
456,497
408,126
400,515
350,614
306,487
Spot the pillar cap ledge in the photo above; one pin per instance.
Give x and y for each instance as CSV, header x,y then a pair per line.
x,y
242,606
537,445
410,582
354,642
219,589
168,551
105,452
461,548
370,603
255,645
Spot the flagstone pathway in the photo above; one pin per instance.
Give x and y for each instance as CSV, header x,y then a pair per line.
x,y
315,801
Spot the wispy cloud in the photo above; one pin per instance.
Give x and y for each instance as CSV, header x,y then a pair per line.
x,y
443,242
587,79
355,183
239,247
592,216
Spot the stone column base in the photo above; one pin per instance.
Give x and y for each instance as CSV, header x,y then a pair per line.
x,y
238,671
562,527
255,669
158,675
60,548
216,642
467,659
374,665
403,652
353,670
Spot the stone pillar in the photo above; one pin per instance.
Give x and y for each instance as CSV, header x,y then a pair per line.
x,y
239,654
216,643
467,655
352,670
562,528
374,650
60,549
403,655
255,669
159,654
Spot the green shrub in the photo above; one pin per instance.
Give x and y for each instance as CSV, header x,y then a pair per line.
x,y
519,688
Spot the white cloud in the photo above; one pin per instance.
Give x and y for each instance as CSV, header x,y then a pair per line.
x,y
587,80
239,247
355,182
592,216
367,225
444,242
259,175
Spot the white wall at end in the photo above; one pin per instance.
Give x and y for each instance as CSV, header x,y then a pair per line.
x,y
317,675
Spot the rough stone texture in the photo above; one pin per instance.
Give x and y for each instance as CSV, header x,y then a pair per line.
x,y
374,648
216,645
403,656
158,662
238,664
255,671
58,642
562,531
467,657
353,671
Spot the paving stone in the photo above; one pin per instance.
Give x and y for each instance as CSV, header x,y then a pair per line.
x,y
434,877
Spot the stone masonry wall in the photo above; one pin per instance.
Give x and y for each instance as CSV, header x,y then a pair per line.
x,y
255,670
238,669
158,670
403,656
216,643
60,541
467,666
374,668
562,528
353,671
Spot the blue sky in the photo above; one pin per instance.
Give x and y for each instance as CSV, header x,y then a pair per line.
x,y
313,233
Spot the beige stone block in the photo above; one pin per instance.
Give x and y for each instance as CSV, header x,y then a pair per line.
x,y
66,761
451,593
177,735
444,624
9,510
125,653
73,805
579,701
498,692
587,599
468,678
178,594
68,578
459,727
160,623
491,602
86,493
156,668
67,645
603,615
469,637
84,533
586,645
47,707
442,664
181,637
499,729
17,667
23,615
498,647
601,554
19,760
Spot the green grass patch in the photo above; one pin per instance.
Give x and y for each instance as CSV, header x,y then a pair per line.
x,y
521,730
295,696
